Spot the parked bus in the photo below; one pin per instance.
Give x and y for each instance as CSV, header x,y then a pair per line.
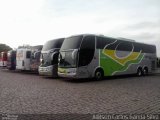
x,y
158,62
93,56
0,60
49,57
3,59
35,57
23,57
11,61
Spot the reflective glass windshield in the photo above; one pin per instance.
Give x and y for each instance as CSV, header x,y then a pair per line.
x,y
53,44
46,57
72,42
68,58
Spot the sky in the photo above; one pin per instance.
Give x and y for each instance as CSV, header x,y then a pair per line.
x,y
34,22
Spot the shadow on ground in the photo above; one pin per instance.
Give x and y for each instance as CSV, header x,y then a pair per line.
x,y
74,80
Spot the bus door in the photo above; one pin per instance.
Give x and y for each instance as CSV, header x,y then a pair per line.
x,y
27,61
19,59
87,57
0,60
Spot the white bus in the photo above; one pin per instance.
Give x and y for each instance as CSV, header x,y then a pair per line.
x,y
35,57
23,57
93,56
3,59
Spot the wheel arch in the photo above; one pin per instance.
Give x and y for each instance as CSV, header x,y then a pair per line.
x,y
97,68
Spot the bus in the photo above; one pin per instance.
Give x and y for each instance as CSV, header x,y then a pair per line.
x,y
35,57
11,61
49,57
3,59
0,60
96,56
23,57
158,62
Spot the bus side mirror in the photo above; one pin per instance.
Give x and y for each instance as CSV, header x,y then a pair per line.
x,y
74,54
53,56
36,54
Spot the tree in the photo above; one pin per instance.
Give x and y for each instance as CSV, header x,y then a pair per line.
x,y
4,47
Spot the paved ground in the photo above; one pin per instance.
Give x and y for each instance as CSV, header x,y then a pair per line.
x,y
25,93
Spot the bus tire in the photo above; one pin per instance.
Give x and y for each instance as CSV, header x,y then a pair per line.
x,y
145,71
99,74
139,72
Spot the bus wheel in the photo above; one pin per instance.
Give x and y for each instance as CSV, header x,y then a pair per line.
x,y
99,74
139,72
145,71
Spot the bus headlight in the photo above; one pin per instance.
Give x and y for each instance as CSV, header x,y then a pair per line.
x,y
49,68
41,61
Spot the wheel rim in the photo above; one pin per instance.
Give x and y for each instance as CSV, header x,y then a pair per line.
x,y
145,71
98,75
139,73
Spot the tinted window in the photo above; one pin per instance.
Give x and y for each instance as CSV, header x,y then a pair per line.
x,y
124,46
53,44
28,54
87,50
72,43
88,43
145,48
102,42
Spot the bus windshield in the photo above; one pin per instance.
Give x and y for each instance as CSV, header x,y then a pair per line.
x,y
72,43
53,44
68,58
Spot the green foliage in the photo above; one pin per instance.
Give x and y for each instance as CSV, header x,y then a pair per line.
x,y
4,47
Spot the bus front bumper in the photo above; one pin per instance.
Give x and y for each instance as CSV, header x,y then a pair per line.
x,y
20,68
67,72
48,71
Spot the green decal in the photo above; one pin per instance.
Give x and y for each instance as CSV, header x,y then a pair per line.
x,y
112,65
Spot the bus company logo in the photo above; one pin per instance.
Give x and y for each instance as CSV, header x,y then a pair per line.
x,y
116,62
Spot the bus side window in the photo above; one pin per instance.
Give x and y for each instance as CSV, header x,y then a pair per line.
x,y
87,50
102,42
28,54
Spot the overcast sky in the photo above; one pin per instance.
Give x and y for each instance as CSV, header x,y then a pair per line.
x,y
36,21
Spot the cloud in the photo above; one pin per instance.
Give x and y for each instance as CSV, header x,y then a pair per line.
x,y
36,21
146,31
145,25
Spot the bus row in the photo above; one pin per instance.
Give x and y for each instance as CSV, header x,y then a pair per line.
x,y
29,57
85,56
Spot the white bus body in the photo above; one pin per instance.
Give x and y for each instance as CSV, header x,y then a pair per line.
x,y
23,58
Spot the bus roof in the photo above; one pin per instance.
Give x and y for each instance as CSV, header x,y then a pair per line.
x,y
118,38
